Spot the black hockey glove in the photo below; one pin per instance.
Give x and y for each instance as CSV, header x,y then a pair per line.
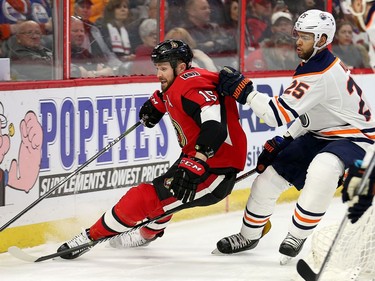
x,y
191,172
149,115
271,149
233,83
358,203
359,206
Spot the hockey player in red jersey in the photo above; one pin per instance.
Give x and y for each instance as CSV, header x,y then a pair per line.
x,y
213,152
332,127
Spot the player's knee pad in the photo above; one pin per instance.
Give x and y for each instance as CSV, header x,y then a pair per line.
x,y
325,171
269,184
321,182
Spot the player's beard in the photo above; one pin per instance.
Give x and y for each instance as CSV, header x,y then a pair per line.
x,y
306,55
166,86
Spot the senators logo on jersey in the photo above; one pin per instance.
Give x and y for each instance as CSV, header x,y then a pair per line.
x,y
182,140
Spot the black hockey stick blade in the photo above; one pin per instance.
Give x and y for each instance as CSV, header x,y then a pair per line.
x,y
20,254
305,271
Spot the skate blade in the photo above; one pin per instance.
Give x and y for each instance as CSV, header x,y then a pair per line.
x,y
217,252
285,259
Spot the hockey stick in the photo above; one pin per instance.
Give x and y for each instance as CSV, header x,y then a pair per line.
x,y
245,175
303,269
106,148
18,253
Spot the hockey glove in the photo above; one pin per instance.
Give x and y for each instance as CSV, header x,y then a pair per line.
x,y
191,171
149,114
358,203
358,206
233,83
271,149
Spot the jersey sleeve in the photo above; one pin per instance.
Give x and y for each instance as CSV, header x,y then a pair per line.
x,y
301,96
157,101
205,108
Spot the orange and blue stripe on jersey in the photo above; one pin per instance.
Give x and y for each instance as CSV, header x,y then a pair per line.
x,y
278,107
348,132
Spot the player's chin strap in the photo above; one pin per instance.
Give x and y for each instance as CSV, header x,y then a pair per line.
x,y
134,228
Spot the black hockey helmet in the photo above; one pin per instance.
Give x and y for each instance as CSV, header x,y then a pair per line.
x,y
172,51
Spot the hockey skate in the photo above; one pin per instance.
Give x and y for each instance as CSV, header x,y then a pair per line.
x,y
131,239
82,238
290,247
238,243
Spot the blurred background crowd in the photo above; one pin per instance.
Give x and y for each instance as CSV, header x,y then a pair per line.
x,y
116,37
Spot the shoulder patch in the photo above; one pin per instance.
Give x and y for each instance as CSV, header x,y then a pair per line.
x,y
190,74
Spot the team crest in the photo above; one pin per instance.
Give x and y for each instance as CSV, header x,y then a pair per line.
x,y
182,140
174,45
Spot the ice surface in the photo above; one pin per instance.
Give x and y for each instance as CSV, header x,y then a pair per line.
x,y
183,253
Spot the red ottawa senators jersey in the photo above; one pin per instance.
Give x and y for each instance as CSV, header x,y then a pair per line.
x,y
191,101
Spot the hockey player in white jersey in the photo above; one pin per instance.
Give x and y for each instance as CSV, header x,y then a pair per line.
x,y
333,125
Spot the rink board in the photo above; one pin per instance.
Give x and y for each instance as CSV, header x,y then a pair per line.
x,y
75,125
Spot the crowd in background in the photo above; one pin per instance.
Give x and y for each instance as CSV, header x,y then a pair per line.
x,y
116,37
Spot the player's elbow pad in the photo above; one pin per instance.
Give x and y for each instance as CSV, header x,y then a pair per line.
x,y
212,134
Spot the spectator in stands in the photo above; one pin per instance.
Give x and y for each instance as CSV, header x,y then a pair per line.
x,y
148,33
280,6
364,16
93,40
139,8
178,11
231,22
281,23
217,11
149,36
278,54
296,8
152,9
13,12
97,9
259,21
210,38
353,55
29,59
84,64
113,27
200,59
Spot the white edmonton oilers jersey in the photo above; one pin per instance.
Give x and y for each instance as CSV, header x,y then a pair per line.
x,y
325,99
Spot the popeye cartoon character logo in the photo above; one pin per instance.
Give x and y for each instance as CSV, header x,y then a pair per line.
x,y
23,171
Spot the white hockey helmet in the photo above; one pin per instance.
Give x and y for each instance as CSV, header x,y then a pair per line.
x,y
317,22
